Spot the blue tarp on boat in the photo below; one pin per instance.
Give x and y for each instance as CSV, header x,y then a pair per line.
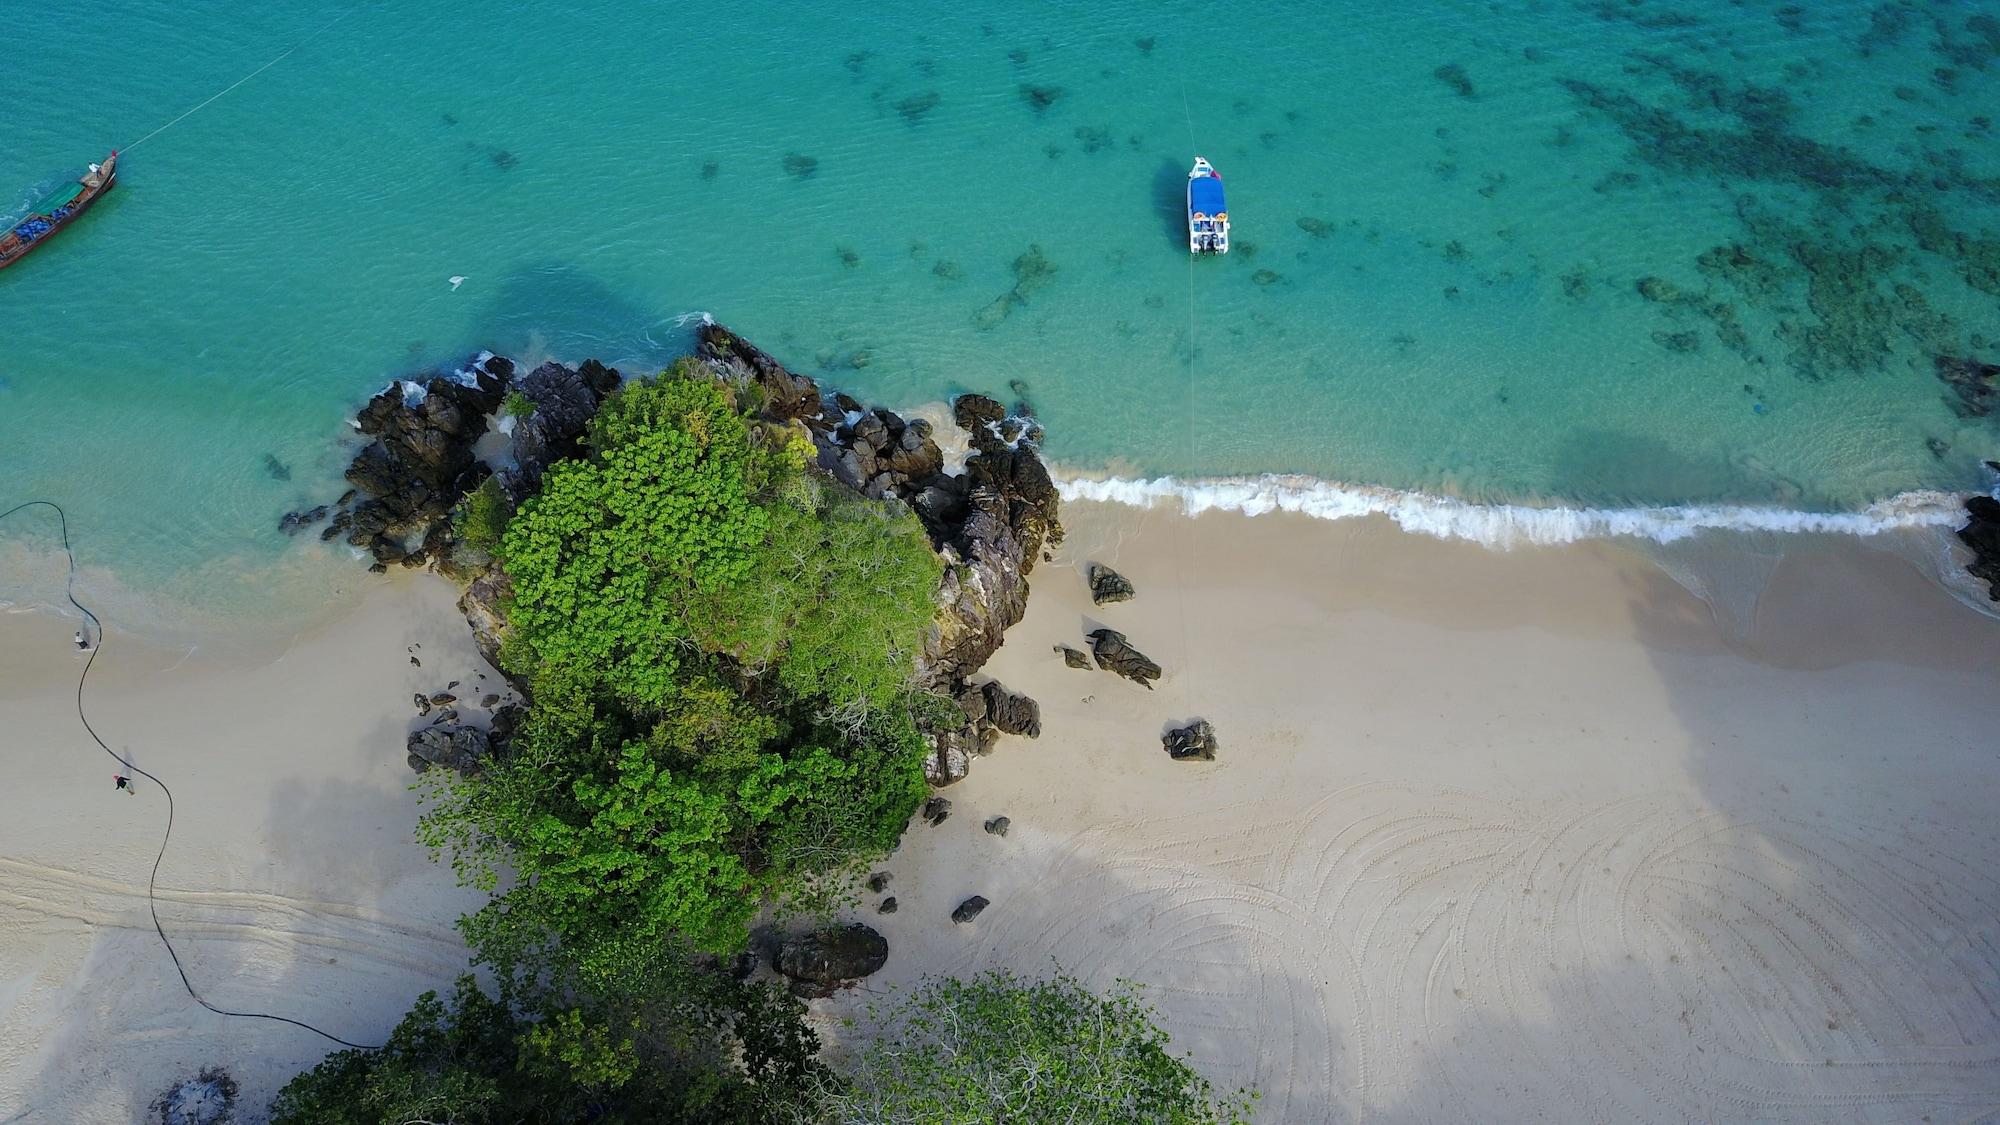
x,y
1205,196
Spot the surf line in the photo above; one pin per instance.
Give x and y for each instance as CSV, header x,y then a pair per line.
x,y
152,880
286,53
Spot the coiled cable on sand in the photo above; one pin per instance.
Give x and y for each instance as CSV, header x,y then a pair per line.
x,y
152,880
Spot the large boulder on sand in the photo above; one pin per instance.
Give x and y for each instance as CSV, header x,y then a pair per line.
x,y
1194,742
1012,712
1115,654
823,960
1108,586
463,749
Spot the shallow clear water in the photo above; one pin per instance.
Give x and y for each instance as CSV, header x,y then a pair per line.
x,y
1442,214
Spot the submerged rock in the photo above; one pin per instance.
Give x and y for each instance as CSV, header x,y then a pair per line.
x,y
1115,654
1971,383
1108,586
1192,743
821,961
294,522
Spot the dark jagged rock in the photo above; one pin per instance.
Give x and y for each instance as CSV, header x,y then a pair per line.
x,y
879,881
1115,654
1108,586
1075,658
481,604
454,748
565,400
819,962
934,811
972,701
294,522
997,826
423,704
1012,712
1192,743
420,463
1982,534
888,906
968,910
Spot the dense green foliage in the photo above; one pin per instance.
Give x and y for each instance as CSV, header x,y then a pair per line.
x,y
721,653
711,1050
517,405
482,516
997,1048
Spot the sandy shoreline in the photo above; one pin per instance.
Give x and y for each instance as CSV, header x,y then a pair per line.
x,y
1499,836
291,885
1494,835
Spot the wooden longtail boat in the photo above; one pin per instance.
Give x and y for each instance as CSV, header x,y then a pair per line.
x,y
58,211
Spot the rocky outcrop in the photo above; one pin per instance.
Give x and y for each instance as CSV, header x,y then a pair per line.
x,y
463,749
1108,586
1194,742
821,961
1115,654
419,465
1982,533
989,523
565,400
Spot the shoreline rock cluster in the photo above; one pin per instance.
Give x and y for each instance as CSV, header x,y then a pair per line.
x,y
990,524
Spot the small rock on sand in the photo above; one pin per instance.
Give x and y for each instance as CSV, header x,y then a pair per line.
x,y
968,910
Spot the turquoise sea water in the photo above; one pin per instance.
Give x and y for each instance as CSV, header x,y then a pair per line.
x,y
1443,213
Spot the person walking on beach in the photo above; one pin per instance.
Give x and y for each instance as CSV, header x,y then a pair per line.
x,y
124,783
82,644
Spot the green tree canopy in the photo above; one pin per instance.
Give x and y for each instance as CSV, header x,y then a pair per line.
x,y
999,1048
721,651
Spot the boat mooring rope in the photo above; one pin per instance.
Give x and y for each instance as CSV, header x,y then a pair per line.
x,y
232,86
1186,534
152,880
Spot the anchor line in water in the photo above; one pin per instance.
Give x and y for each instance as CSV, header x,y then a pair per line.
x,y
159,857
213,98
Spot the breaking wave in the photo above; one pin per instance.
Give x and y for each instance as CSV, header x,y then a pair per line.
x,y
1507,525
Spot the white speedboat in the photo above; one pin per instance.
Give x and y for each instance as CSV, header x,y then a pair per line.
x,y
1208,213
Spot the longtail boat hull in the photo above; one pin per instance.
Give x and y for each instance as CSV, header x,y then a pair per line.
x,y
59,210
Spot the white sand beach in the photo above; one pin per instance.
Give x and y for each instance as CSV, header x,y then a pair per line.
x,y
292,884
1498,836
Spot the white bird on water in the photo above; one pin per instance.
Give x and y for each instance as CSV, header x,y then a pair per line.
x,y
456,281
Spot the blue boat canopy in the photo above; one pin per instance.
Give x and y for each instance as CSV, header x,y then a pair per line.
x,y
1205,195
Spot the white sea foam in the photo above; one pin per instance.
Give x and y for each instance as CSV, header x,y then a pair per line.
x,y
413,393
1506,525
